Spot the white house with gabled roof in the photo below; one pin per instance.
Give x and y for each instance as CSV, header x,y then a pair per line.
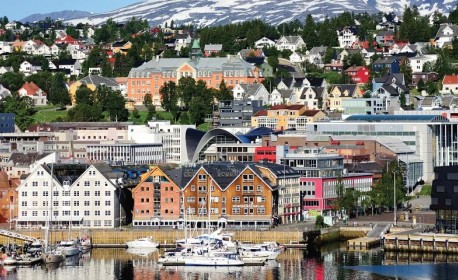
x,y
82,196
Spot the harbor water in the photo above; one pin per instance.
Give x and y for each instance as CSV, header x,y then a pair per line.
x,y
331,262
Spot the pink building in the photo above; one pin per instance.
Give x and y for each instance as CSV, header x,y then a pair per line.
x,y
319,192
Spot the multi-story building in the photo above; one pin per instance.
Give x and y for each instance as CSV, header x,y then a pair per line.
x,y
172,138
320,174
8,199
7,122
236,112
347,36
78,195
223,194
281,117
125,152
148,78
444,197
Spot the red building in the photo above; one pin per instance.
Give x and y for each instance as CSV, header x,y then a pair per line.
x,y
358,74
67,40
268,154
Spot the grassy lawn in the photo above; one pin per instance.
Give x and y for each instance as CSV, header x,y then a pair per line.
x,y
42,116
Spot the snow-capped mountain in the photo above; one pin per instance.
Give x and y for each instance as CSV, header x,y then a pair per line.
x,y
211,12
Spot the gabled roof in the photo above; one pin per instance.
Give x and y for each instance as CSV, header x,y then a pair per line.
x,y
291,39
251,89
318,50
385,33
310,113
450,79
386,60
441,33
98,80
355,68
260,113
26,159
67,62
32,89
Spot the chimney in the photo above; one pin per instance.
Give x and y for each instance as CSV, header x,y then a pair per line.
x,y
229,57
157,58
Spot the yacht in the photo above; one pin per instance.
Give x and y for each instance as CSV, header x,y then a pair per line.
x,y
10,260
143,252
53,256
69,247
146,242
227,259
270,250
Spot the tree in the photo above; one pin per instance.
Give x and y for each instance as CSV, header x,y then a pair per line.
x,y
224,93
116,107
201,103
383,194
42,79
402,99
347,198
421,85
319,222
354,60
71,31
84,95
22,107
58,93
151,113
147,100
12,81
309,33
273,62
84,112
186,89
169,96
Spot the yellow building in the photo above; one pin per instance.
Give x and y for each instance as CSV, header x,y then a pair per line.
x,y
121,47
282,117
338,93
92,82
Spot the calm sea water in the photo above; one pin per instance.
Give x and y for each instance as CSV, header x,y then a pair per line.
x,y
331,262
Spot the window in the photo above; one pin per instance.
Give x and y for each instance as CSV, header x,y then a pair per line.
x,y
107,213
87,183
76,213
87,213
248,177
55,203
24,193
24,203
440,189
97,203
66,213
34,193
107,223
97,193
34,184
45,193
55,193
55,213
76,203
107,193
261,211
235,210
45,203
76,193
202,177
193,188
259,188
87,203
87,193
24,213
97,212
66,193
107,203
66,203
236,199
237,188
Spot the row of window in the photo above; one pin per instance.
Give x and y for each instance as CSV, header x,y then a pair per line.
x,y
66,193
34,213
66,203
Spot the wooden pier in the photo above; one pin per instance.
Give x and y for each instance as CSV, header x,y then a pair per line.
x,y
426,243
363,243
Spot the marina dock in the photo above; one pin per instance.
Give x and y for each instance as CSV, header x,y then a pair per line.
x,y
363,243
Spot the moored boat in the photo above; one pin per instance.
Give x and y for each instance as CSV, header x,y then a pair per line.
x,y
146,242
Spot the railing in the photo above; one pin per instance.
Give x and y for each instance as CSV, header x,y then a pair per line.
x,y
17,235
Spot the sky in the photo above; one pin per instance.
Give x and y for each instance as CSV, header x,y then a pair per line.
x,y
19,9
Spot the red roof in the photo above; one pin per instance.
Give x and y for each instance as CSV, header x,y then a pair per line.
x,y
260,113
31,89
66,40
450,79
354,68
310,113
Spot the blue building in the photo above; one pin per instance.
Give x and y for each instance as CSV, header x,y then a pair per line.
x,y
389,64
7,122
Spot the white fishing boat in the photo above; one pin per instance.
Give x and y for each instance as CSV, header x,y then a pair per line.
x,y
146,242
69,247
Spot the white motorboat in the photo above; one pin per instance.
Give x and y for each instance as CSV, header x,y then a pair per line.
x,y
229,259
69,247
146,242
53,256
35,247
270,250
85,244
